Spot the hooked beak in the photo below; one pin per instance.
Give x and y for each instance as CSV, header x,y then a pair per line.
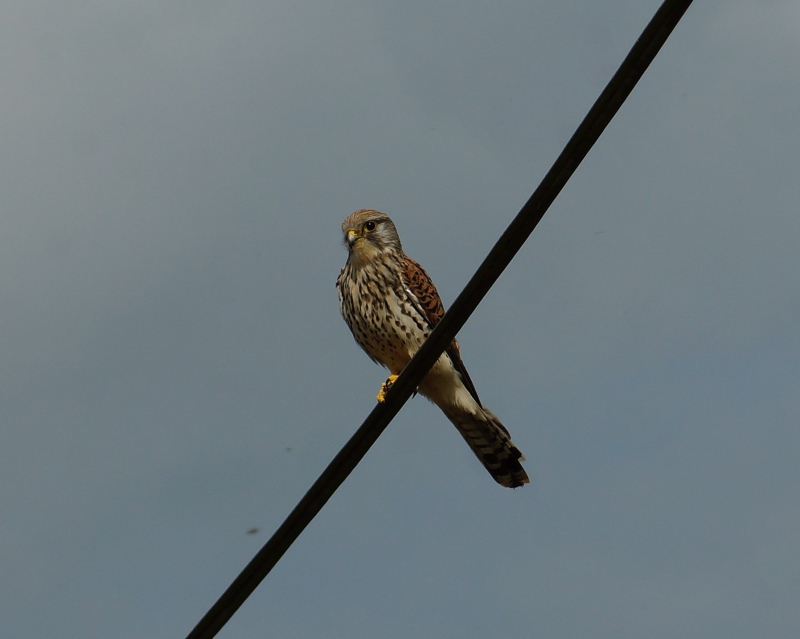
x,y
351,238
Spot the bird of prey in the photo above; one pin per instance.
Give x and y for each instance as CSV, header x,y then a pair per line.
x,y
391,306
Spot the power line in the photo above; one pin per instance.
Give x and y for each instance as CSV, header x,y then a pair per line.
x,y
593,125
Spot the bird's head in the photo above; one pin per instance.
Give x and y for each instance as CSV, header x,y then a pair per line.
x,y
369,233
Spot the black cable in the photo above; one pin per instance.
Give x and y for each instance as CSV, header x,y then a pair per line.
x,y
595,122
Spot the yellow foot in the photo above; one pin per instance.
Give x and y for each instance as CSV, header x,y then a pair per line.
x,y
385,388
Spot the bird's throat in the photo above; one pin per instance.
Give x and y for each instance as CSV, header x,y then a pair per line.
x,y
363,253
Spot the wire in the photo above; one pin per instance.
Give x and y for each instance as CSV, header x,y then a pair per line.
x,y
590,129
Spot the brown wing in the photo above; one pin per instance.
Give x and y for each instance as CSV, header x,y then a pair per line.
x,y
420,285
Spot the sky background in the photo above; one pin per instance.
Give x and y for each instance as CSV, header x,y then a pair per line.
x,y
174,370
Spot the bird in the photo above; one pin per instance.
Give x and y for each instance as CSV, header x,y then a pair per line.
x,y
391,306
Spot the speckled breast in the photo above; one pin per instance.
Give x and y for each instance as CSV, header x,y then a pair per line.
x,y
383,316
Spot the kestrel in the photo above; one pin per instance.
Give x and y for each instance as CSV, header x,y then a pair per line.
x,y
391,306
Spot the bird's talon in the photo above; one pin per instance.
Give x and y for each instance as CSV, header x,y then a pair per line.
x,y
385,388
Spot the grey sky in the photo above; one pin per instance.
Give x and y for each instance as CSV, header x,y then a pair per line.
x,y
175,371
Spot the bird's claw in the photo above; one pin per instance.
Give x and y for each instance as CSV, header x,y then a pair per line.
x,y
385,388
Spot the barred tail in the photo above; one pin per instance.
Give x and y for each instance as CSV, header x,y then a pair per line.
x,y
491,443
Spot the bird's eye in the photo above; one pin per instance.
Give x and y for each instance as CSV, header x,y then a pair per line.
x,y
369,226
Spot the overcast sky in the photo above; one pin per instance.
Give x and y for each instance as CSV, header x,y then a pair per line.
x,y
175,373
